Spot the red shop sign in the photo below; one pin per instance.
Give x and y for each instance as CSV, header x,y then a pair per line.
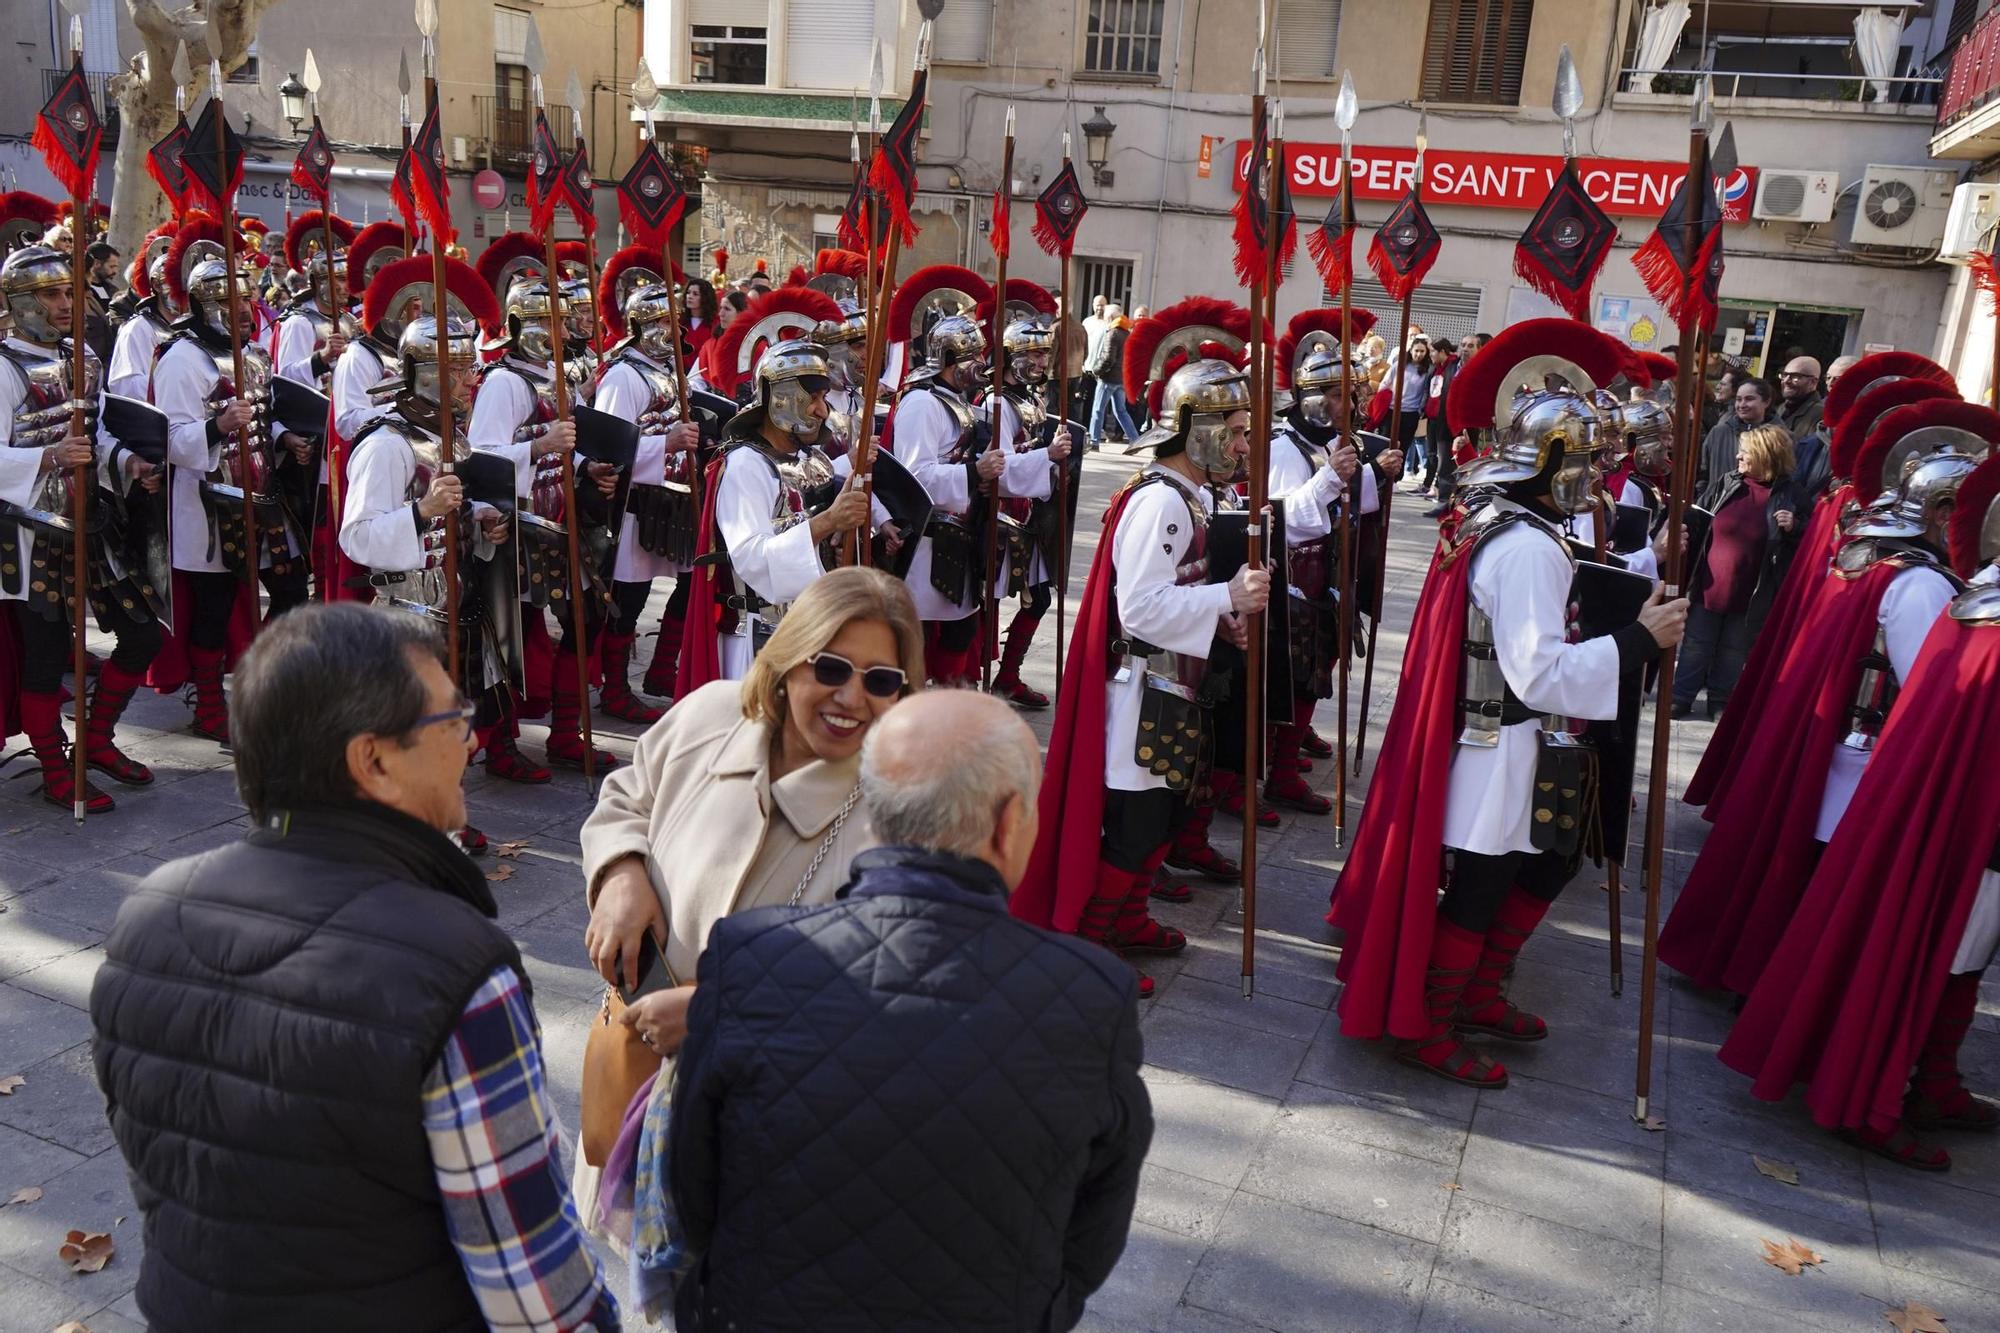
x,y
1623,187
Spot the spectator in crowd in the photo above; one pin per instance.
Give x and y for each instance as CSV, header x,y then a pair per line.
x,y
908,1109
1800,400
1738,566
1413,400
1749,408
701,323
1815,463
1110,399
1447,430
733,304
316,1044
101,267
1084,390
1141,411
1721,400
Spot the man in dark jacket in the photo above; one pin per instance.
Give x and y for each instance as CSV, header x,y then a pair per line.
x,y
316,1045
1815,463
907,1109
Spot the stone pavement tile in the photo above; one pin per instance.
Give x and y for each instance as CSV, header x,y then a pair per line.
x,y
30,937
90,898
61,1103
1685,1311
33,1028
1204,1130
1559,1105
143,819
565,1029
1370,1068
32,1305
92,1196
1180,1204
26,1159
1697,1014
1450,1308
1933,1227
1261,1013
1713,1102
552,947
1311,1160
1963,1308
513,805
1378,1123
67,979
1289,1268
1146,1285
536,887
1715,1245
203,840
1830,1180
1288,969
1556,1172
1542,1264
1224,1053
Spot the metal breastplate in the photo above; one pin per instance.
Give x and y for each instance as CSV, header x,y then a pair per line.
x,y
1486,702
232,469
424,588
843,416
966,446
1029,408
545,491
324,326
661,410
797,474
580,369
42,419
1178,672
1978,605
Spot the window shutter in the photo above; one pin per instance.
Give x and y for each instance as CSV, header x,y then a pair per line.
x,y
510,36
1474,50
963,30
734,14
827,43
1308,39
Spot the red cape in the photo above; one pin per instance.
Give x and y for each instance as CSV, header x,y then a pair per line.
x,y
1062,872
347,581
1386,897
169,669
1849,997
1789,609
701,655
1740,895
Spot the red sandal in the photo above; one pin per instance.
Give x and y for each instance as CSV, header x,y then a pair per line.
x,y
1900,1146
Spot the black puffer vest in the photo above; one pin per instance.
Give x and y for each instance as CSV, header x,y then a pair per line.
x,y
266,1016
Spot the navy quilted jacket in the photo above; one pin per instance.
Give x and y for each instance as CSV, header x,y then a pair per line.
x,y
905,1110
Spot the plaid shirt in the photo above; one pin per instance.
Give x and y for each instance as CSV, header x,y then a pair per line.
x,y
495,1145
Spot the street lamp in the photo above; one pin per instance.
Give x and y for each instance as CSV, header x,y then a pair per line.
x,y
292,97
1097,132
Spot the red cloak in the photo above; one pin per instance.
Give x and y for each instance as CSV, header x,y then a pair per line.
x,y
1386,897
169,669
1789,609
1851,992
341,579
1746,883
1062,872
701,655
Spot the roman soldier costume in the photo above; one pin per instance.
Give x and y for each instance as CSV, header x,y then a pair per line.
x,y
37,532
1482,789
1827,706
311,340
150,322
1876,981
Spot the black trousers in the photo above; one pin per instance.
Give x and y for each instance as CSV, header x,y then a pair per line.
x,y
1138,824
630,600
1035,601
215,598
955,636
1479,883
48,646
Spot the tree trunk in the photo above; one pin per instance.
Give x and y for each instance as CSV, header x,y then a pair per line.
x,y
145,96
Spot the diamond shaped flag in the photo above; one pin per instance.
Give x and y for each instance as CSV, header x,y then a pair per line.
x,y
1404,247
313,171
1059,211
894,173
1681,263
1560,253
544,174
214,171
427,178
163,164
1332,242
579,190
850,230
69,134
650,198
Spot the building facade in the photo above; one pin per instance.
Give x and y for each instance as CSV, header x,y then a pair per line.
x,y
1967,135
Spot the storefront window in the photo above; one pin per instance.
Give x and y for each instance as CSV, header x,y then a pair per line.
x,y
1761,338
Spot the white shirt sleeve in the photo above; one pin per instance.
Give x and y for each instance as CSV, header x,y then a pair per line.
x,y
297,341
20,469
1910,607
357,371
500,408
377,529
623,393
131,370
1028,474
778,565
1370,490
180,389
1521,580
1308,492
924,431
1153,536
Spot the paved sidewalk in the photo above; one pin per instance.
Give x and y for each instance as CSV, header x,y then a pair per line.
x,y
1298,1181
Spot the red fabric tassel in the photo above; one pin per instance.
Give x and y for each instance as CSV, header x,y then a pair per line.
x,y
1985,278
999,236
176,198
1050,239
1249,254
77,178
1333,258
406,204
889,189
1575,302
1683,295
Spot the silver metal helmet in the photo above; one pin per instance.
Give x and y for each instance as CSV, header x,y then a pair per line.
x,y
319,275
843,340
208,293
530,317
1030,343
419,350
955,339
27,273
1643,430
1989,534
1196,405
791,374
1921,505
156,278
1553,416
579,308
1319,379
649,312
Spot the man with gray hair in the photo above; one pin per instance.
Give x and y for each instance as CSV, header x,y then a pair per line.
x,y
907,1109
1812,469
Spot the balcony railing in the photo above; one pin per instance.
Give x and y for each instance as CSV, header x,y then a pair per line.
x,y
107,106
1838,89
507,125
1973,79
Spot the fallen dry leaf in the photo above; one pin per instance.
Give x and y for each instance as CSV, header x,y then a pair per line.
x,y
498,873
1916,1318
26,1194
1453,1185
87,1251
1653,1124
11,1082
1782,1172
510,850
73,1326
1791,1257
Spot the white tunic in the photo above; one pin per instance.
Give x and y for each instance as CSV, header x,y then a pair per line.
x,y
925,432
778,566
1020,445
378,530
21,469
504,404
358,370
624,393
298,340
1909,607
132,352
1152,541
1521,580
181,384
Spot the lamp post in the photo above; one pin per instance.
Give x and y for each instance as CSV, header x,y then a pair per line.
x,y
292,97
1097,132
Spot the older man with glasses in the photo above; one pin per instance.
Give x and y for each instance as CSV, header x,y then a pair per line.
x,y
1800,399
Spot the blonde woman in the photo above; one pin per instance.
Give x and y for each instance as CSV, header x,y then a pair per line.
x,y
1738,567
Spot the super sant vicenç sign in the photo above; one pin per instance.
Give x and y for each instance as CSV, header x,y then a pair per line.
x,y
1623,187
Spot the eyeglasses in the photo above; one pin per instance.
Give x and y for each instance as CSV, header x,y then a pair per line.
x,y
1798,375
464,713
833,671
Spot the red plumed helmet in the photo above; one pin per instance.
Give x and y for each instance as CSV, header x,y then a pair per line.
x,y
1196,319
1308,322
515,253
136,275
309,229
1892,427
572,255
1648,369
620,277
1850,434
928,285
721,260
797,277
1865,373
803,307
23,218
1021,294
846,263
369,242
1977,494
1475,393
463,285
194,228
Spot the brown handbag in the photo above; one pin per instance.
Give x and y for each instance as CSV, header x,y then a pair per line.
x,y
615,1064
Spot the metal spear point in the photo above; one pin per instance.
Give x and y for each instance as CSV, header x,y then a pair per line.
x,y
427,17
573,93
310,78
1568,98
403,84
875,90
532,53
645,95
183,75
1722,160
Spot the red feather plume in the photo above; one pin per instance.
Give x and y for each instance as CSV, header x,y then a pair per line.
x,y
462,282
1650,368
1020,291
1897,422
370,241
615,269
1880,365
197,227
846,263
1850,435
798,277
1477,387
814,307
1326,320
1150,332
503,251
306,228
1978,493
926,281
136,275
24,206
572,252
721,260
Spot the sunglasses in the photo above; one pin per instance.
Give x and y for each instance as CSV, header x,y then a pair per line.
x,y
834,671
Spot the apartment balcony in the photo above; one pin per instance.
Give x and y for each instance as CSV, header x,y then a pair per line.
x,y
1968,114
506,126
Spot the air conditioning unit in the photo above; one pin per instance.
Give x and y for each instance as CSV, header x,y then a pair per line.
x,y
1903,207
1795,196
459,152
1974,210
